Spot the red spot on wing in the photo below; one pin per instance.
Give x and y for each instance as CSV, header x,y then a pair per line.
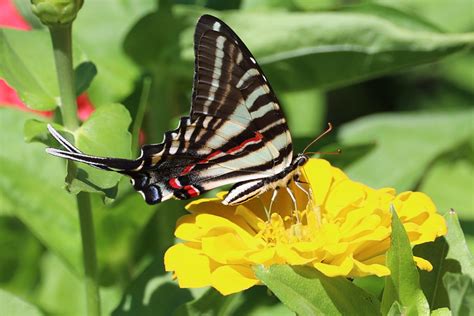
x,y
175,183
254,140
212,155
187,169
192,190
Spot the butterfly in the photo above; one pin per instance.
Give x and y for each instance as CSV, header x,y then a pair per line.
x,y
236,132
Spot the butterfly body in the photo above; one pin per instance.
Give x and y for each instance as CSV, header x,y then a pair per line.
x,y
235,134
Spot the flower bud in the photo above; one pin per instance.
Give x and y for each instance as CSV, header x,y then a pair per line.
x,y
56,12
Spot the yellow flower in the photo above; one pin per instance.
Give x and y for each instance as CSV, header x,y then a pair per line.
x,y
343,231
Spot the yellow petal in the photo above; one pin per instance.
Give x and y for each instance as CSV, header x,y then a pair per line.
x,y
190,267
423,264
266,256
230,279
226,248
255,222
332,270
343,195
291,256
207,205
363,269
318,173
186,228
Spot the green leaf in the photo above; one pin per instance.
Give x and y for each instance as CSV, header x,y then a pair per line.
x,y
458,249
396,16
258,300
402,284
372,284
423,136
30,179
460,289
210,303
84,73
448,254
152,293
15,306
438,13
99,30
105,133
118,228
19,249
449,183
332,49
307,291
53,293
441,312
36,130
431,281
396,309
31,72
311,102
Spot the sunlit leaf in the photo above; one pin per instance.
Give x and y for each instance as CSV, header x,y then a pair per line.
x,y
330,49
307,291
15,306
460,289
31,72
105,133
402,284
33,183
404,144
458,249
99,30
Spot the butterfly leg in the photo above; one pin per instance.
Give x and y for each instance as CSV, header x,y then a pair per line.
x,y
274,195
295,206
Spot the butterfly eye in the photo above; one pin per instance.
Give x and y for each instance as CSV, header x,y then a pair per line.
x,y
139,181
152,194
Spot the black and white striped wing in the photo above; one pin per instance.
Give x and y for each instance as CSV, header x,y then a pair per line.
x,y
236,131
230,88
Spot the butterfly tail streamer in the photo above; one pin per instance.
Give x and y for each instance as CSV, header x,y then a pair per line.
x,y
105,163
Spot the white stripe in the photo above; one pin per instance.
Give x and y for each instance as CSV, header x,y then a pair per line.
x,y
173,150
217,69
233,196
239,57
249,73
259,91
216,26
278,122
264,109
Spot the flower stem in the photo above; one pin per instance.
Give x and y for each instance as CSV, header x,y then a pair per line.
x,y
137,123
89,253
62,46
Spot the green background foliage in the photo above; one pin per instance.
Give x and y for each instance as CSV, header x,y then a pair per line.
x,y
394,77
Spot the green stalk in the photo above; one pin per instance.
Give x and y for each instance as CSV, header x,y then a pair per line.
x,y
62,45
137,123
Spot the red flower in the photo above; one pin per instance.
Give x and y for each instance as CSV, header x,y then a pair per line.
x,y
11,18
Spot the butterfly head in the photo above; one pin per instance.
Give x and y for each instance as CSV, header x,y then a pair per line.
x,y
300,159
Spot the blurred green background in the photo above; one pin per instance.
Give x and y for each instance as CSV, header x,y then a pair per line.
x,y
396,79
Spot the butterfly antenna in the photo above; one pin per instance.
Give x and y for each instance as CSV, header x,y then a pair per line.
x,y
318,138
72,153
337,152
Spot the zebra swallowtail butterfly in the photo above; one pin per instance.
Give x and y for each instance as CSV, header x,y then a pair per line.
x,y
235,134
